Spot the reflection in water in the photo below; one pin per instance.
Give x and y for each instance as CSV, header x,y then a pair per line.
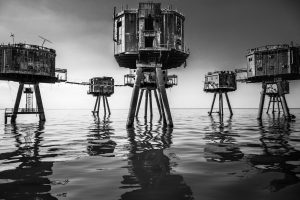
x,y
278,155
28,180
150,169
99,142
221,146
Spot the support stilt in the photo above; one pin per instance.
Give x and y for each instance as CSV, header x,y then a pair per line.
x,y
220,104
17,103
98,108
150,102
104,105
278,107
162,90
273,104
107,104
228,103
134,98
158,104
212,105
39,102
285,107
146,104
162,109
96,104
139,103
262,101
270,100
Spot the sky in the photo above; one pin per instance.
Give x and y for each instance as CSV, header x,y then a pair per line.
x,y
217,32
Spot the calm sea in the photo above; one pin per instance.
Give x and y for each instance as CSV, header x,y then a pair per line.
x,y
76,156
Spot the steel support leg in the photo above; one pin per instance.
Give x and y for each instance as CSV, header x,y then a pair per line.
x,y
162,89
220,104
146,104
273,104
98,108
134,97
212,105
286,111
158,104
96,103
104,105
139,103
262,101
269,104
278,107
162,108
17,102
107,105
228,103
39,102
150,103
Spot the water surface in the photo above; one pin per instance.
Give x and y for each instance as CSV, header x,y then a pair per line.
x,y
76,156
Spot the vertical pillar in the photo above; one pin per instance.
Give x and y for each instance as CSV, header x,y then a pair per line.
x,y
146,104
162,90
96,103
273,104
39,102
107,106
286,111
228,103
269,104
104,105
212,105
158,104
150,103
162,108
139,103
278,102
220,104
262,100
98,108
17,102
134,97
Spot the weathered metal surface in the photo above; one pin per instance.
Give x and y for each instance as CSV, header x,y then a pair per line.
x,y
223,81
149,34
273,61
103,86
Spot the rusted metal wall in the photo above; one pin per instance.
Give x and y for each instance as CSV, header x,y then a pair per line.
x,y
274,62
22,59
102,86
220,80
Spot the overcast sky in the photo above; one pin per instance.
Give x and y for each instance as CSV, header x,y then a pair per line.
x,y
217,32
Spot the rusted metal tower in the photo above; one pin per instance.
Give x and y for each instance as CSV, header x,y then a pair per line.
x,y
148,86
28,64
273,66
220,82
150,40
101,87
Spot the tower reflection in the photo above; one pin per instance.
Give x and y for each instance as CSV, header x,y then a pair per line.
x,y
279,156
99,141
150,168
28,180
221,145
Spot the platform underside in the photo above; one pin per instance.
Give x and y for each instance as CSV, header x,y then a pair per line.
x,y
218,90
150,86
95,94
27,78
273,78
169,59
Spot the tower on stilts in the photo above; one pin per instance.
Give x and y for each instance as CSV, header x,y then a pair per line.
x,y
101,87
273,66
219,83
149,40
29,65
